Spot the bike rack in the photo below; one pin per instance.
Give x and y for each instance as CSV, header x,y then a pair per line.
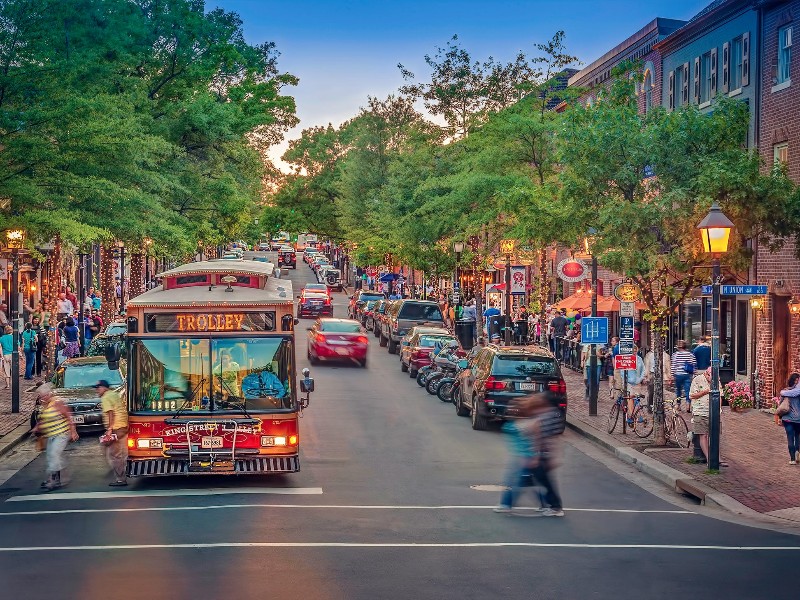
x,y
212,454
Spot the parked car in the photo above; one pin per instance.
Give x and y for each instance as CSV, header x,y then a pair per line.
x,y
72,384
360,298
417,345
314,304
366,311
309,254
287,258
498,374
337,339
264,247
332,277
378,312
318,261
405,314
231,256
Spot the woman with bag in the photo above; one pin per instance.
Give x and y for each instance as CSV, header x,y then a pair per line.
x,y
56,427
29,341
789,412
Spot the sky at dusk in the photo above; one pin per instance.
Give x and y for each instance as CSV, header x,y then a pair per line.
x,y
348,50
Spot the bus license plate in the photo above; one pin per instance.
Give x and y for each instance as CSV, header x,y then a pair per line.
x,y
78,419
526,385
211,442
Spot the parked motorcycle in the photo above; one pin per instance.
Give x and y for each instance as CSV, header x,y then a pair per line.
x,y
448,386
446,364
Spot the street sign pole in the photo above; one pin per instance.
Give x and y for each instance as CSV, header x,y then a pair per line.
x,y
594,378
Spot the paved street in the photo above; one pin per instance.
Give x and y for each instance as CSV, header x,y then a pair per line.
x,y
383,508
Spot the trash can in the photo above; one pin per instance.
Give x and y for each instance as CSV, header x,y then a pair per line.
x,y
465,332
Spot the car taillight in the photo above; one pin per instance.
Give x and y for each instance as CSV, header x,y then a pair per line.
x,y
494,384
320,338
327,301
558,387
362,339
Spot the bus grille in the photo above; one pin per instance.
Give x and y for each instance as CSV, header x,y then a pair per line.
x,y
263,464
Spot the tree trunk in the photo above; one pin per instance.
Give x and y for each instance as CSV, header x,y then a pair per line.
x,y
107,285
544,287
136,281
51,302
658,384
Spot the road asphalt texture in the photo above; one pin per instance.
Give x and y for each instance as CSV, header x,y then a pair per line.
x,y
384,507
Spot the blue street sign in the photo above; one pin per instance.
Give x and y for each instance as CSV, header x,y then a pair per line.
x,y
594,330
626,328
626,346
737,290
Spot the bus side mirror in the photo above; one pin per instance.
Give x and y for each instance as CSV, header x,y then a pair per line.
x,y
307,385
113,354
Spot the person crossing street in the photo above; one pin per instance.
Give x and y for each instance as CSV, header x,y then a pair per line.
x,y
115,420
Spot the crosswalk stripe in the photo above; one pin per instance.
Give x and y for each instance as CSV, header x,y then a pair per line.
x,y
317,506
399,545
49,497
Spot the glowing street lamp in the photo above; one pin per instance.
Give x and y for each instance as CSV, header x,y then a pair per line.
x,y
15,241
507,247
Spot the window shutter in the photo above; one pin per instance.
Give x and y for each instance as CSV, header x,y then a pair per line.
x,y
685,90
746,59
697,80
726,67
713,73
672,90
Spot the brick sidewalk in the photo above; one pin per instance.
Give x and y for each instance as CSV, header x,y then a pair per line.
x,y
759,474
8,420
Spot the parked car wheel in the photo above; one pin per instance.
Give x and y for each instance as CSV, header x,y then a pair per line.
x,y
392,347
479,422
461,410
403,367
383,341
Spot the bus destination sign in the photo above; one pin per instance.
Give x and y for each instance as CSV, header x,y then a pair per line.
x,y
210,322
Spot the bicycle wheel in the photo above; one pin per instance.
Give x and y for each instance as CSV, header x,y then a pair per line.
x,y
613,417
680,432
642,421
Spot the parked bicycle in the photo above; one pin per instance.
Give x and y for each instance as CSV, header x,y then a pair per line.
x,y
641,421
675,428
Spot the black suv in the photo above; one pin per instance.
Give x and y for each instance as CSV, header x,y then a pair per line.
x,y
287,258
498,374
401,316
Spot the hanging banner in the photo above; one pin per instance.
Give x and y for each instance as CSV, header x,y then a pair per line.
x,y
517,281
572,270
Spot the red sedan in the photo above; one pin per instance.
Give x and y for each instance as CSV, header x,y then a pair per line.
x,y
337,339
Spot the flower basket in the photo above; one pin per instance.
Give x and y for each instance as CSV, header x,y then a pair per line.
x,y
738,396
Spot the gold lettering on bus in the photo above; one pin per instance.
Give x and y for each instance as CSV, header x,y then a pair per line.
x,y
210,322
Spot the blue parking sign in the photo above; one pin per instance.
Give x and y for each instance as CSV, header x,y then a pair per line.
x,y
594,330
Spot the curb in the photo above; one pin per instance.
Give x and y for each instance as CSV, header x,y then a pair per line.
x,y
672,478
13,438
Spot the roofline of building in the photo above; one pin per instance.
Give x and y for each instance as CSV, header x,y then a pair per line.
x,y
697,27
656,26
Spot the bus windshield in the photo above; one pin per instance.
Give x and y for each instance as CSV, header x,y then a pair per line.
x,y
215,375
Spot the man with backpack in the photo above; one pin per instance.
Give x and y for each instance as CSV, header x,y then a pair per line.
x,y
682,368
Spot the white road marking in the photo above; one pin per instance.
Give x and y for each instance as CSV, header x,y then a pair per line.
x,y
161,494
319,506
397,545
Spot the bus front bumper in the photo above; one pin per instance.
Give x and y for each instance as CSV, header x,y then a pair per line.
x,y
154,467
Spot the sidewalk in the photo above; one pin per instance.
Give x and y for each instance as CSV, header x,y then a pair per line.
x,y
15,426
759,475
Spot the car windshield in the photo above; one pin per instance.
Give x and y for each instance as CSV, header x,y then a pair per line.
x,y
523,366
429,341
365,297
216,375
417,311
340,327
84,376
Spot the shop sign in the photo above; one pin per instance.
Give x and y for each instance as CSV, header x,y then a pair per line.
x,y
572,270
209,322
627,292
627,309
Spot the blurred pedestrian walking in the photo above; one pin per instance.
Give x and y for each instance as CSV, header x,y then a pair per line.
x,y
55,426
115,438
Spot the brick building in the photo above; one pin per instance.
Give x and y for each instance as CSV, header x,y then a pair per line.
x,y
776,343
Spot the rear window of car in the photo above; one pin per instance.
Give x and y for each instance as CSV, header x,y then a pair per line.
x,y
340,327
315,296
523,366
430,341
365,297
422,312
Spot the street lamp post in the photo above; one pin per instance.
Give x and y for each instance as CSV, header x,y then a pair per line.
x,y
715,231
121,246
458,248
16,242
147,243
594,378
507,248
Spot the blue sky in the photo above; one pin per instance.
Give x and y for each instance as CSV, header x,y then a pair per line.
x,y
348,50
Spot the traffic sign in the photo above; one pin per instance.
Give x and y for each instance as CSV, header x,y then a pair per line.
x,y
626,346
625,362
627,309
737,290
626,328
594,330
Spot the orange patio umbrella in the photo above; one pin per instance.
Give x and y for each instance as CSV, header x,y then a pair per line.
x,y
611,304
576,301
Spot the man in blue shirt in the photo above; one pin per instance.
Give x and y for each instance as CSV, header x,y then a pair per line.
x,y
490,312
702,354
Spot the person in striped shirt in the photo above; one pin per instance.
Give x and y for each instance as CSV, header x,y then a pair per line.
x,y
56,427
682,368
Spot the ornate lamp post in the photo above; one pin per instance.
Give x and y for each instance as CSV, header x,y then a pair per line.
x,y
507,248
147,242
15,239
458,248
715,232
121,246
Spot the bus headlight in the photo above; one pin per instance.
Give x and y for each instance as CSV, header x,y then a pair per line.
x,y
149,443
